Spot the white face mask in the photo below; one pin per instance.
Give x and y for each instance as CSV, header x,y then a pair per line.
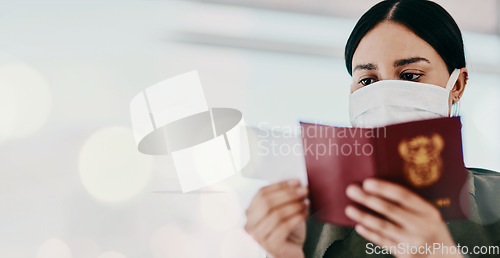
x,y
397,101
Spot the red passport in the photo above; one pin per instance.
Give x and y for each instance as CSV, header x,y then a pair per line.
x,y
424,156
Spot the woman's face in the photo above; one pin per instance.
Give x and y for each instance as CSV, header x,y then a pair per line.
x,y
391,51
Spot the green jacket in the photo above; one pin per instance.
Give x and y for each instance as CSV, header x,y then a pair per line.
x,y
482,229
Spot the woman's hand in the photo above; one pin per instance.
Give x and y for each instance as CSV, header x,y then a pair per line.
x,y
411,220
276,218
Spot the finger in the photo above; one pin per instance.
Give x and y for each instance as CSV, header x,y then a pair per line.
x,y
273,200
380,226
395,193
277,216
276,199
292,183
386,208
375,238
280,185
280,233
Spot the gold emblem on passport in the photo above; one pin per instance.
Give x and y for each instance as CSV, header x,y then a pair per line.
x,y
442,202
422,159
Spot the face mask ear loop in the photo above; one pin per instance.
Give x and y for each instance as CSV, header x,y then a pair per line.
x,y
449,86
453,79
455,109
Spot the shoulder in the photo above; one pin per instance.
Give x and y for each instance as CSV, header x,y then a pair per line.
x,y
485,189
484,181
483,224
483,172
321,235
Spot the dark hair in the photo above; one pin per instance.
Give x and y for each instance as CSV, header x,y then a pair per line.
x,y
426,19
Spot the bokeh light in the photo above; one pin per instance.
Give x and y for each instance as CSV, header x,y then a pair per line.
x,y
54,248
25,100
111,167
8,110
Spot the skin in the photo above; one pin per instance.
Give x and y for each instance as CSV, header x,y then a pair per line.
x,y
400,55
418,61
276,215
276,218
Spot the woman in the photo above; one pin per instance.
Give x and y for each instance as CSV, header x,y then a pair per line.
x,y
415,43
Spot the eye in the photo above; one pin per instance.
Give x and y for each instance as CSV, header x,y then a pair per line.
x,y
410,76
367,81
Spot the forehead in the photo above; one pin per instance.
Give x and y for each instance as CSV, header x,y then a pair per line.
x,y
389,41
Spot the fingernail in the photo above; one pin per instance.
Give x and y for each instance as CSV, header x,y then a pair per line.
x,y
307,202
369,184
350,211
301,190
293,182
352,190
359,228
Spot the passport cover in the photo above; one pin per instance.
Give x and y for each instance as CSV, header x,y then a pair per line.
x,y
424,156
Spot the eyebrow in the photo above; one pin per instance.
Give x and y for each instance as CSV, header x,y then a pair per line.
x,y
397,63
411,60
369,66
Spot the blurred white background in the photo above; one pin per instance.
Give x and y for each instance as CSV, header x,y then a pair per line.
x,y
71,181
